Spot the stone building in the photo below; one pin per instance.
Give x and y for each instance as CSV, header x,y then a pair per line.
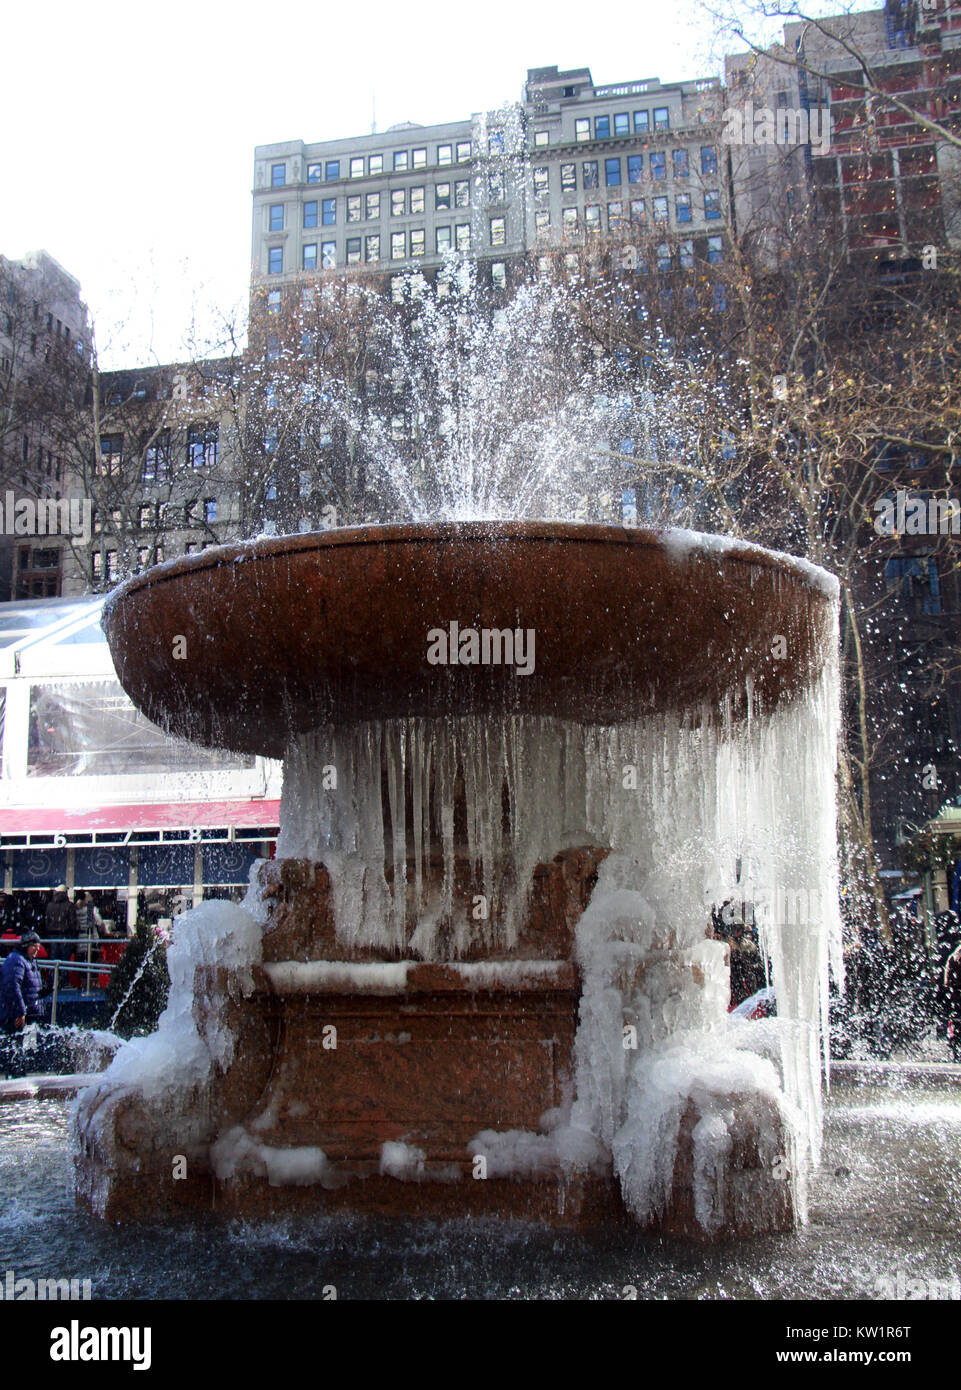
x,y
44,381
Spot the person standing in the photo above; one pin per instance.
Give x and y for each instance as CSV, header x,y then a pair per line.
x,y
21,986
951,981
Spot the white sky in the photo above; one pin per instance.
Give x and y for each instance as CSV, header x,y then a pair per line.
x,y
129,155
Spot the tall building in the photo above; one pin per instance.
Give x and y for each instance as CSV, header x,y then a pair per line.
x,y
571,162
44,378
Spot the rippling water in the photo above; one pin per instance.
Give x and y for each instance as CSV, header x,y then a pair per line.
x,y
885,1201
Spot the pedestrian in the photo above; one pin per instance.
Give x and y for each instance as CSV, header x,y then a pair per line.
x,y
89,925
60,922
21,991
951,981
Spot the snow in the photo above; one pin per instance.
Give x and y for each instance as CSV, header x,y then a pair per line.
x,y
681,544
308,977
236,1154
398,1160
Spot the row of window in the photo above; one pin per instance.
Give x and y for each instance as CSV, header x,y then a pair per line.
x,y
620,123
456,194
366,166
636,211
367,207
202,450
368,248
613,170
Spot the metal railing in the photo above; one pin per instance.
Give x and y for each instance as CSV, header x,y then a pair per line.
x,y
86,968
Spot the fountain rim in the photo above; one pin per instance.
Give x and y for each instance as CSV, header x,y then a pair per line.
x,y
681,544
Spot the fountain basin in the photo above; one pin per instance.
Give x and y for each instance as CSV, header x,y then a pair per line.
x,y
245,646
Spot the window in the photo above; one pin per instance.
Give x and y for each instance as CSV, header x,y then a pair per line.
x,y
332,170
353,207
638,210
442,240
592,217
398,202
445,154
542,182
418,198
156,460
499,275
278,175
353,250
398,246
329,211
602,127
202,445
495,186
463,151
372,207
417,241
589,173
276,217
328,254
687,255
210,509
462,193
622,124
542,220
400,160
914,579
495,143
715,250
664,256
111,453
372,248
462,236
708,160
397,289
582,128
541,138
418,159
314,173
310,214
712,204
498,231
310,255
442,196
660,209
662,118
635,168
682,207
568,178
275,260
681,167
569,221
658,164
273,302
357,167
642,122
720,299
612,173
614,214
273,348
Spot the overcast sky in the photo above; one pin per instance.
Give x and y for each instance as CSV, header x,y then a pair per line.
x,y
128,148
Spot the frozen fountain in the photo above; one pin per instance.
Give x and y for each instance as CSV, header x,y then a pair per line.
x,y
521,761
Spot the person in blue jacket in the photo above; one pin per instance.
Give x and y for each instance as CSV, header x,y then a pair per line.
x,y
21,986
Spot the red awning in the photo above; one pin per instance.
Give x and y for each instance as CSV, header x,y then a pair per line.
x,y
44,820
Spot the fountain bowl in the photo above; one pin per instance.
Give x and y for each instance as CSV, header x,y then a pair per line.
x,y
245,646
